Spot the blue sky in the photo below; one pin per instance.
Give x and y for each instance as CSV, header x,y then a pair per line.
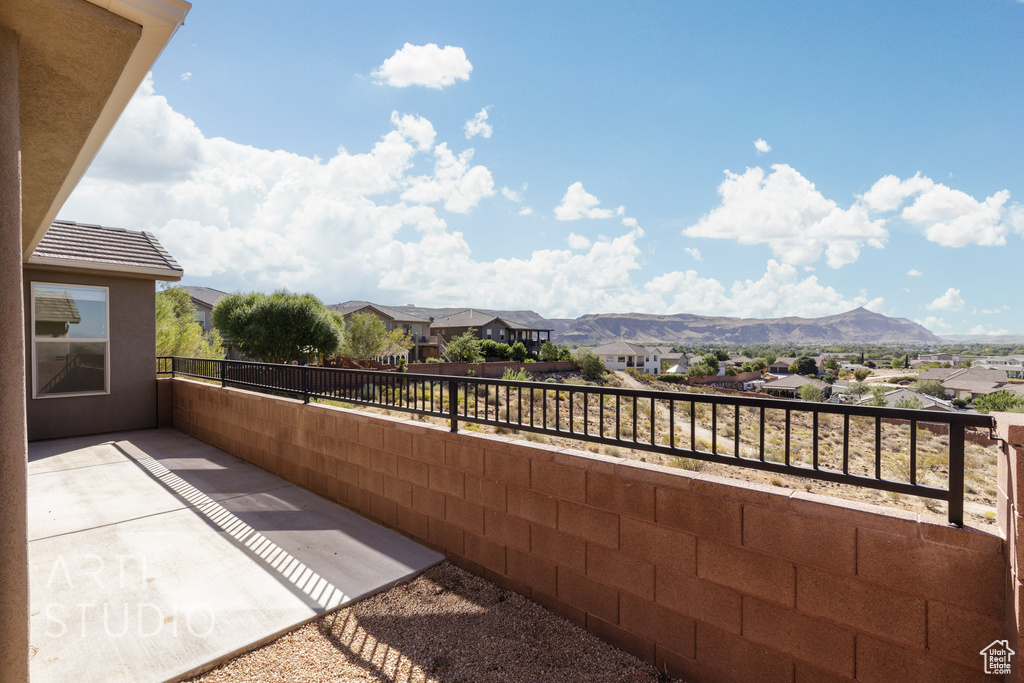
x,y
749,159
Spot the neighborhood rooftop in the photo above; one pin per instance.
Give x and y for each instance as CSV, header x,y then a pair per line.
x,y
95,247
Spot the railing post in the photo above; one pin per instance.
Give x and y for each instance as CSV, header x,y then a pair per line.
x,y
956,474
223,373
453,404
305,384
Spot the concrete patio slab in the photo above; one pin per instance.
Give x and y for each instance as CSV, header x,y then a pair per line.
x,y
150,561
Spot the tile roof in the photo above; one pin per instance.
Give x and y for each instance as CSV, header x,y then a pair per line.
x,y
621,348
927,402
205,295
396,316
477,319
78,245
795,382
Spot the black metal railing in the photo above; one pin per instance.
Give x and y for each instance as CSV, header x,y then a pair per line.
x,y
901,451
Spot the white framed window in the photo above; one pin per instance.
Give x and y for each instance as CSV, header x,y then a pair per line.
x,y
501,334
489,333
70,340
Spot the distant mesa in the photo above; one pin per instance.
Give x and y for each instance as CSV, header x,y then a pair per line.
x,y
859,326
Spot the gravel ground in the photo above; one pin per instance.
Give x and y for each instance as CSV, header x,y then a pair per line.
x,y
446,625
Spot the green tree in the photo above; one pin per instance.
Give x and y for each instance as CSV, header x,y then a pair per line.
x,y
365,336
465,348
702,369
929,387
711,361
908,402
1000,402
518,352
804,365
861,374
279,327
831,363
396,343
857,389
178,333
590,364
721,355
809,392
878,397
548,351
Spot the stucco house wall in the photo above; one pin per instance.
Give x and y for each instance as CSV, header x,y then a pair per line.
x,y
131,403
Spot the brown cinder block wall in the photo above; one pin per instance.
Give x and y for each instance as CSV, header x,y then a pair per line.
x,y
710,579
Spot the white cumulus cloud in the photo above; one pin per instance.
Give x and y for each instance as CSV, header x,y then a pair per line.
x,y
949,217
932,323
980,329
761,146
186,76
577,242
427,65
914,272
478,125
694,253
950,301
578,203
785,211
511,195
367,225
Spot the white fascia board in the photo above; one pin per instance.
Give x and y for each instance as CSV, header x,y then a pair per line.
x,y
160,20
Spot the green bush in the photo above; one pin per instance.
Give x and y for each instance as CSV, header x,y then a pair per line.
x,y
520,375
517,352
672,377
1000,402
590,364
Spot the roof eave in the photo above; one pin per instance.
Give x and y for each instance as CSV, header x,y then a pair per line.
x,y
167,275
160,20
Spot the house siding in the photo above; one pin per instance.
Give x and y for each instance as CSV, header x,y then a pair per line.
x,y
131,403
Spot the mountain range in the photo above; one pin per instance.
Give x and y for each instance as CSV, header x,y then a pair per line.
x,y
859,326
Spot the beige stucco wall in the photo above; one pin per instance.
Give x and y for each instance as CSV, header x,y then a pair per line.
x,y
131,403
13,450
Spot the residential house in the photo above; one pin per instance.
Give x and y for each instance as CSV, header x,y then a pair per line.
x,y
622,355
925,401
973,382
489,326
789,386
780,366
671,361
91,329
424,344
67,71
1012,365
204,299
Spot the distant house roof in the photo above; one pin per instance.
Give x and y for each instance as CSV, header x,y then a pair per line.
x,y
621,348
795,382
477,319
975,380
93,247
927,402
205,295
350,307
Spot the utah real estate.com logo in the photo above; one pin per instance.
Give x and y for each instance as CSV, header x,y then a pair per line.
x,y
998,657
